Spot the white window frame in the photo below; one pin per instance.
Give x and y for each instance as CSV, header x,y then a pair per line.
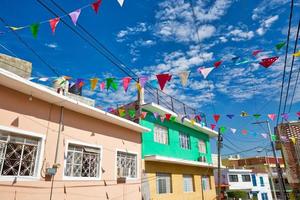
x,y
137,164
244,175
238,180
39,156
193,182
76,142
154,134
188,141
157,189
200,141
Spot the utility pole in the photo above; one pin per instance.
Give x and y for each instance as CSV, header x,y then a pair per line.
x,y
279,172
219,145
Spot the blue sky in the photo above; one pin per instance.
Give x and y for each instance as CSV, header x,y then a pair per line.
x,y
153,37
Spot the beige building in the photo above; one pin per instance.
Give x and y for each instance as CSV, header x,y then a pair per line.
x,y
97,154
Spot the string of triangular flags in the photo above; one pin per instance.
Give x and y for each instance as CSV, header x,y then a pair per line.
x,y
74,15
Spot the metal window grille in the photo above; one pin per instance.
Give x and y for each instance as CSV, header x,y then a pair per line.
x,y
161,134
184,141
126,164
18,155
246,178
206,183
188,183
202,146
163,183
82,161
233,178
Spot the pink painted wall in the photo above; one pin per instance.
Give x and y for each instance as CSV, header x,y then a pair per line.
x,y
16,110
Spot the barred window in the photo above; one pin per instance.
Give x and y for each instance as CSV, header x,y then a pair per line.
x,y
82,161
206,183
160,134
188,183
18,155
246,178
126,164
201,146
184,141
233,178
163,183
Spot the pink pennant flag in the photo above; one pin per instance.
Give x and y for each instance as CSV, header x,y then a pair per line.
x,y
244,132
74,16
53,23
163,79
298,114
162,118
102,86
264,135
216,117
143,80
126,82
205,71
272,116
143,115
213,126
96,5
155,114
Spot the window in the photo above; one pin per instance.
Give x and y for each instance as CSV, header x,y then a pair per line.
x,y
184,141
254,180
18,155
126,164
82,161
246,178
160,134
233,178
264,196
188,183
206,183
163,183
202,146
261,180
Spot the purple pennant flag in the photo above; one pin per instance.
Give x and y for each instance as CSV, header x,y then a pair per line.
x,y
143,80
230,116
74,16
285,116
110,109
155,114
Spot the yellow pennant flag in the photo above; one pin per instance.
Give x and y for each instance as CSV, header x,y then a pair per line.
x,y
297,54
93,82
193,122
293,140
14,28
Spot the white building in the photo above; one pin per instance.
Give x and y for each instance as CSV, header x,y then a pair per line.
x,y
261,186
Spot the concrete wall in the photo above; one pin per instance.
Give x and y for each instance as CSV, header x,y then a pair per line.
x,y
20,67
16,110
177,171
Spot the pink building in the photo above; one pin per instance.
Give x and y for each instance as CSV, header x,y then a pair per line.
x,y
41,130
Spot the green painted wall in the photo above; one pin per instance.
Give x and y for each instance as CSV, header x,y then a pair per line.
x,y
173,149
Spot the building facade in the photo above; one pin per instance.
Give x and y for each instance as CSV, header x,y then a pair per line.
x,y
54,147
177,160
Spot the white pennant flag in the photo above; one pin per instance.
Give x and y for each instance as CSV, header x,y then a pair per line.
x,y
44,79
205,71
233,130
121,2
184,77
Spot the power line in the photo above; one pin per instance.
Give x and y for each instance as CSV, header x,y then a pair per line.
x,y
31,49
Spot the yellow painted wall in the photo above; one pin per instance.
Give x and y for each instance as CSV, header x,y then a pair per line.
x,y
177,171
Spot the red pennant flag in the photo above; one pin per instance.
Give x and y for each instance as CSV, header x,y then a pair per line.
x,y
96,5
213,126
168,116
143,115
298,114
267,62
198,117
53,23
217,64
244,132
256,52
216,117
162,79
126,82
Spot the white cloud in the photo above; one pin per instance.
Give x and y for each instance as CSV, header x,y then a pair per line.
x,y
51,45
267,6
266,24
140,27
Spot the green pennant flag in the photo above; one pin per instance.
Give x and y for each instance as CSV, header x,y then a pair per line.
x,y
131,113
172,118
273,137
256,116
110,82
122,112
34,29
280,45
222,129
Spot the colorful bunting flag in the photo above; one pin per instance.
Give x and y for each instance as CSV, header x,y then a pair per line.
x,y
242,62
213,126
182,118
184,77
217,64
298,114
273,137
131,113
138,87
285,116
173,118
244,132
205,71
222,129
143,114
230,116
96,5
267,62
256,52
297,54
233,130
244,114
256,115
34,29
126,82
264,135
193,122
234,59
121,2
14,28
168,116
53,23
79,83
155,114
102,86
143,80
163,79
74,16
110,82
93,82
43,79
293,140
198,118
122,112
162,118
272,116
216,117
280,45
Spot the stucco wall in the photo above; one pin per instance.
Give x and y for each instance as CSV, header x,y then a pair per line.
x,y
177,171
16,110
